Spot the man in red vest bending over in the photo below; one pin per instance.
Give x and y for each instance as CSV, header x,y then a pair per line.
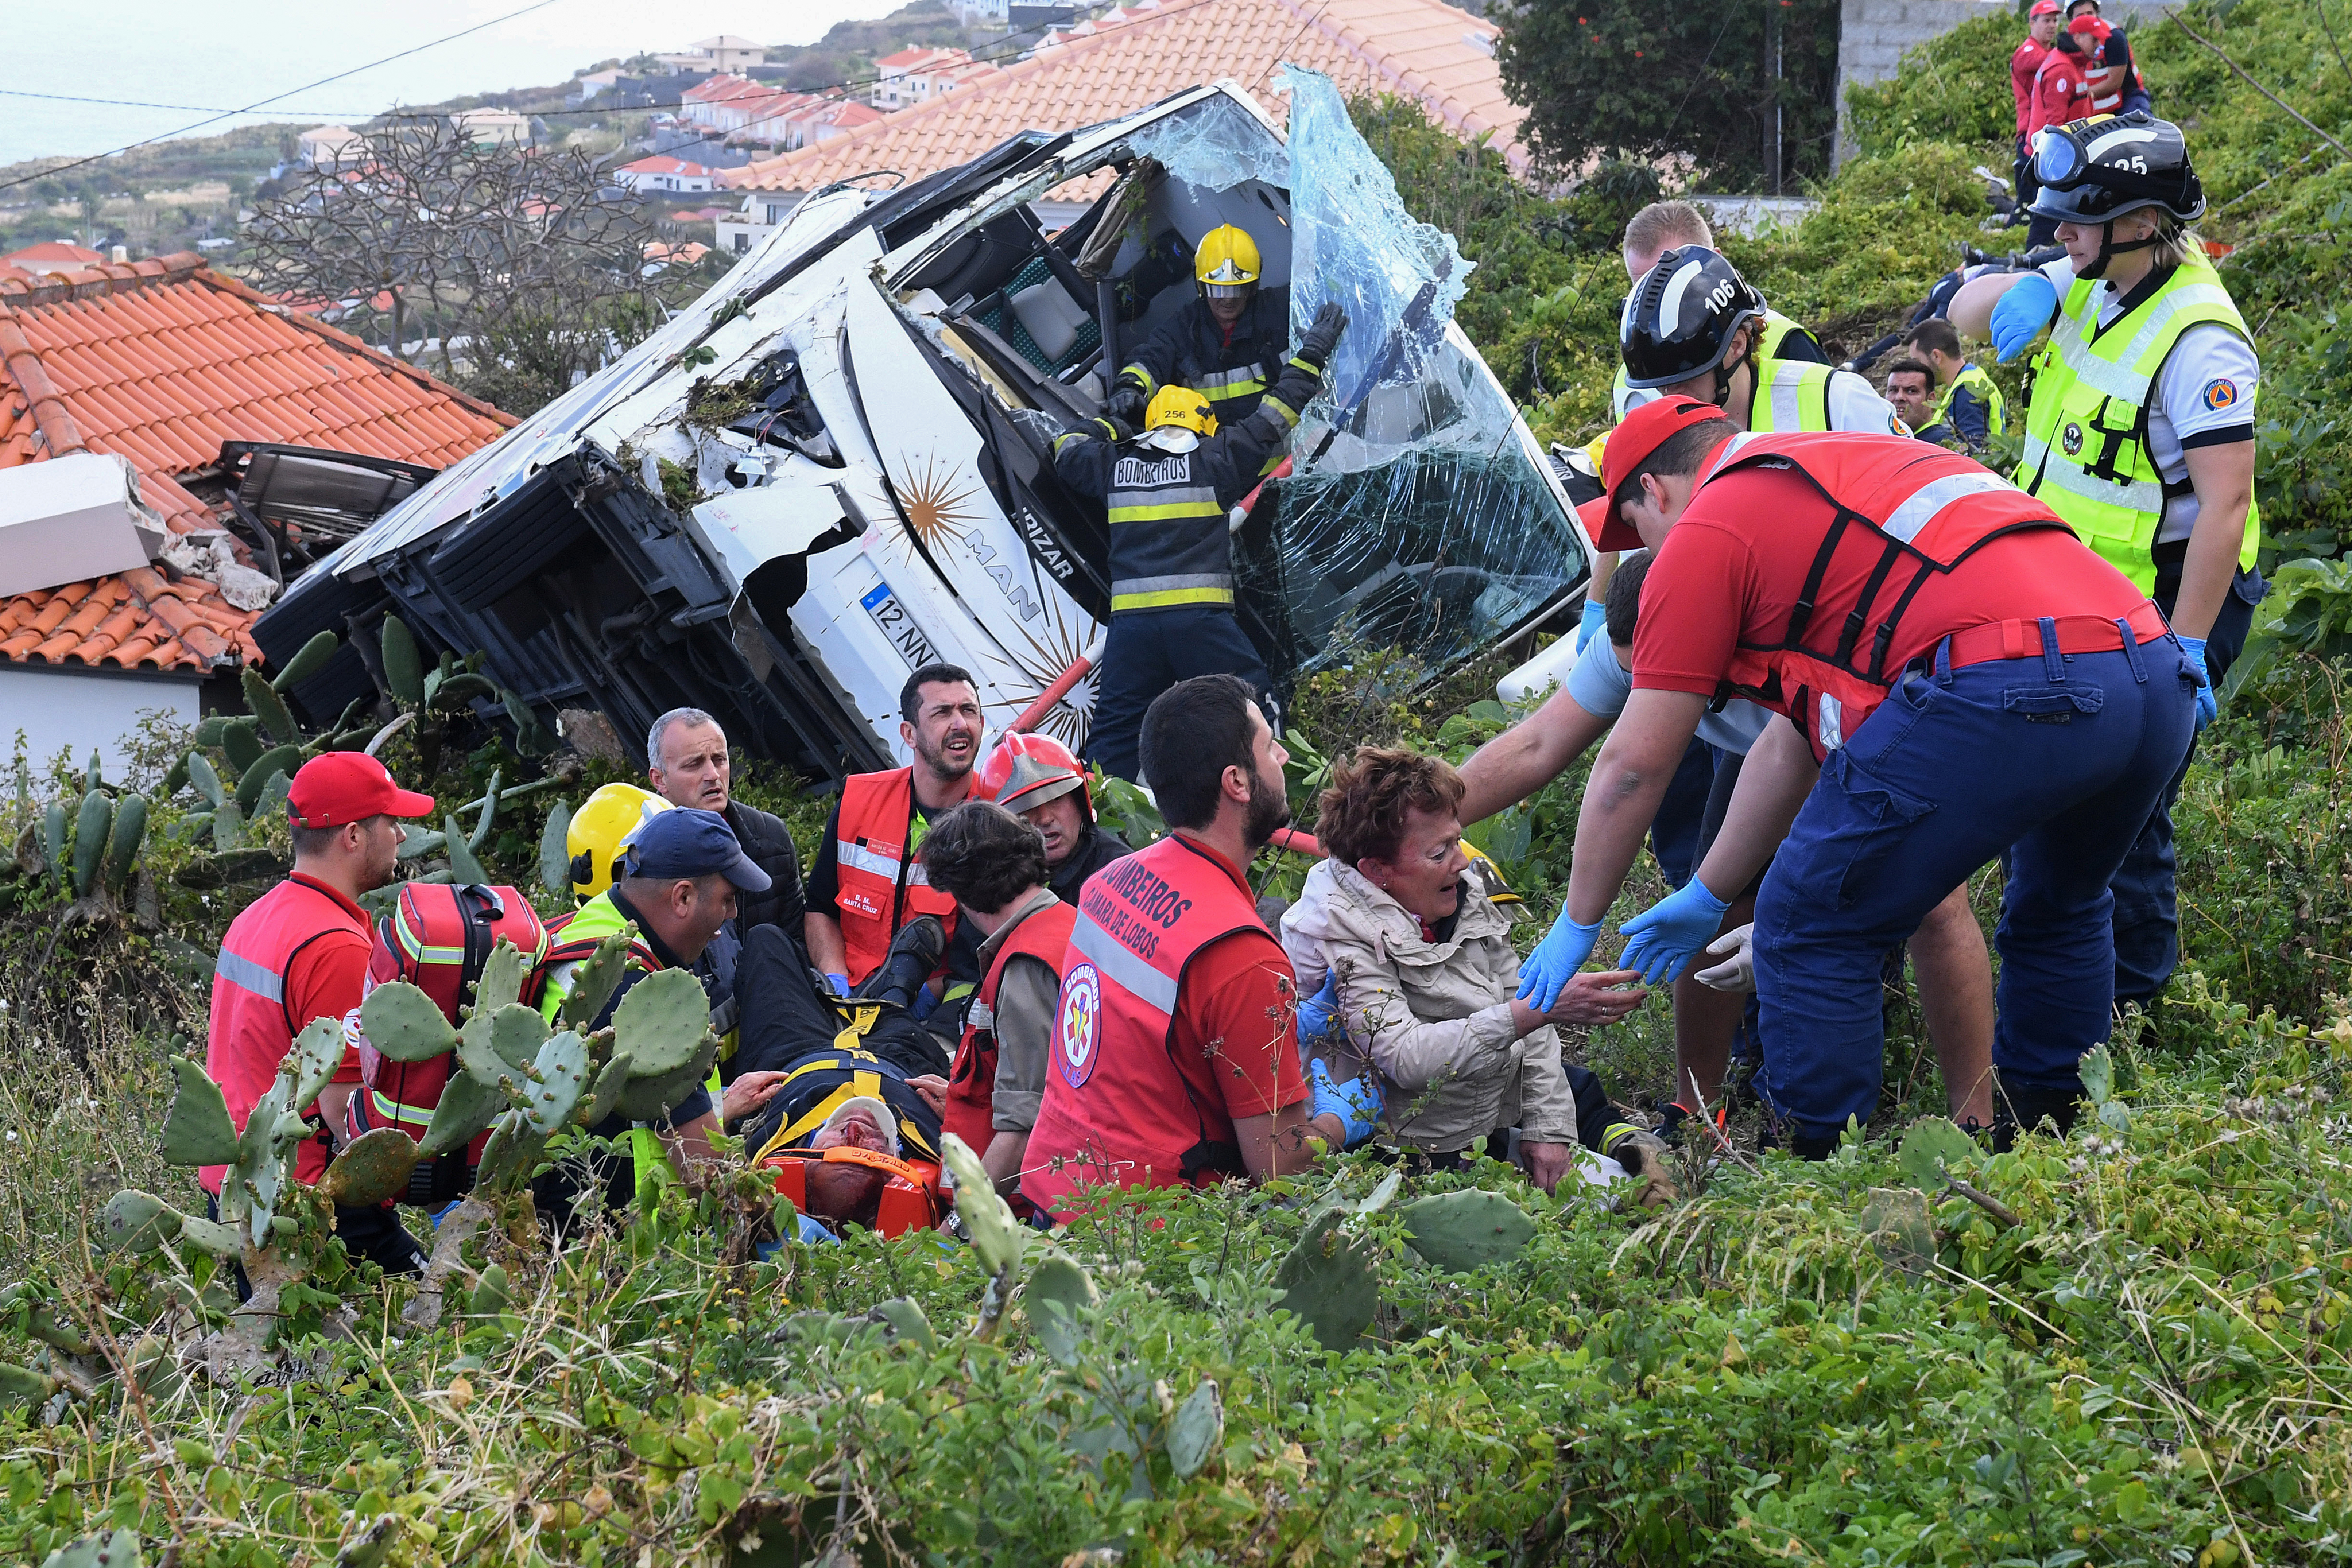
x,y
1175,1054
1962,676
867,887
299,951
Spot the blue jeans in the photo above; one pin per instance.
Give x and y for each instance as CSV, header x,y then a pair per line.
x,y
1148,651
2147,917
2057,759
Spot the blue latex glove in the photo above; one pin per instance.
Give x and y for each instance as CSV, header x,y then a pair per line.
x,y
1663,936
1358,1105
1315,1012
1555,960
2208,706
840,984
2019,315
1595,617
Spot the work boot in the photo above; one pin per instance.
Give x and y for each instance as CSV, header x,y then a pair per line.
x,y
914,953
1669,1130
2019,1111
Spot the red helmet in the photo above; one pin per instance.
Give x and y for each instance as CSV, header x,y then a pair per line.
x,y
1026,770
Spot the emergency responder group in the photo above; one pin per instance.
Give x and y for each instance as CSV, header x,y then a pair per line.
x,y
1885,665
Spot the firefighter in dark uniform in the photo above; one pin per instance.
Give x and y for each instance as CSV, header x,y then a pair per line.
x,y
1167,492
1226,344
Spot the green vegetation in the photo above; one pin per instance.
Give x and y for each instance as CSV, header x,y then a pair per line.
x,y
2129,1346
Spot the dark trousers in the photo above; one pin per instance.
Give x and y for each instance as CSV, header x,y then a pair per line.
x,y
786,1018
371,1235
1146,652
2148,919
2055,759
1674,831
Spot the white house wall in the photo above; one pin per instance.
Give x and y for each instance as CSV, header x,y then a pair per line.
x,y
49,709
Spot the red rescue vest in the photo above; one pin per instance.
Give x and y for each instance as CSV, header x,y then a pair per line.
x,y
911,1199
882,884
2106,82
436,938
1907,510
1116,1109
251,1030
1045,935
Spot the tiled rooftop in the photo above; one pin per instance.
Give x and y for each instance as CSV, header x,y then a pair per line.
x,y
161,360
1422,49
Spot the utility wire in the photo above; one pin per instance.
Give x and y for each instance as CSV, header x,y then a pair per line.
x,y
277,97
816,91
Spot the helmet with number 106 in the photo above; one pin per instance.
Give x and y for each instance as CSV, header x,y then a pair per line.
x,y
1682,316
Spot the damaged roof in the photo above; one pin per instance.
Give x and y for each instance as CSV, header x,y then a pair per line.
x,y
1422,49
161,360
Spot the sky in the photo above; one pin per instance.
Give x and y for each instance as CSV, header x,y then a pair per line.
x,y
234,52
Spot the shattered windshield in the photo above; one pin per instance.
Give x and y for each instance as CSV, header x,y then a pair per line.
x,y
1416,515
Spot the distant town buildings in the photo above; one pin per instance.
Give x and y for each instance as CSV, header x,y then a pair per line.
x,y
52,256
326,148
917,76
725,53
661,175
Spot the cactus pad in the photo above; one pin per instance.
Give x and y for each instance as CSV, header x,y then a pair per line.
x,y
516,1033
906,1323
467,1106
198,1130
134,1221
661,1021
268,765
650,1099
1056,1297
404,1023
554,856
601,1101
464,868
318,1052
1933,1146
1327,1281
477,1050
1197,1429
403,671
211,1236
511,1154
123,841
372,1168
269,707
996,1236
92,826
595,981
502,977
559,1076
207,778
1467,1230
116,1550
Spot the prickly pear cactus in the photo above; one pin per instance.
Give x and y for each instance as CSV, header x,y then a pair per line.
x,y
136,1222
1329,1283
1197,1430
374,1167
593,982
557,1078
1059,1299
662,1021
197,1130
406,1024
118,1549
1467,1230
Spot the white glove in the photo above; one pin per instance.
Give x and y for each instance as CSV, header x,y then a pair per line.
x,y
1736,971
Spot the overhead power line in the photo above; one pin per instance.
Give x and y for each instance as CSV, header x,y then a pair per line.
x,y
219,115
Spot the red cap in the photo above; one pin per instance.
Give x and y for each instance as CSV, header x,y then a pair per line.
x,y
2089,27
349,787
2045,8
1637,435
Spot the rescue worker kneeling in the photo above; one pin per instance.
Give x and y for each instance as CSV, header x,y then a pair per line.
x,y
1167,492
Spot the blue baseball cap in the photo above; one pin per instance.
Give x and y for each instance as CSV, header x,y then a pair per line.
x,y
686,841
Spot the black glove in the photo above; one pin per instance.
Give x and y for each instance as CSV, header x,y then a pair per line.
x,y
1125,402
1115,428
1323,334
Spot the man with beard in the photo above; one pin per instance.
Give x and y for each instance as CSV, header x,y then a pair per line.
x,y
300,952
866,889
1175,1048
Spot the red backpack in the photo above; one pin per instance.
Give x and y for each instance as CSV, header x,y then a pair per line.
x,y
437,938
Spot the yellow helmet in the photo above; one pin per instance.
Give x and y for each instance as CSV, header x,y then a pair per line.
x,y
601,829
1226,264
1182,408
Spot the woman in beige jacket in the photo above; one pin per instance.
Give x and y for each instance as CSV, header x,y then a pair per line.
x,y
1427,982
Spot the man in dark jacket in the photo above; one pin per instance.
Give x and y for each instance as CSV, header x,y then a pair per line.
x,y
687,763
1166,492
1226,344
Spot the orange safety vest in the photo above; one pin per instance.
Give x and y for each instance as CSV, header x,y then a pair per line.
x,y
1907,511
882,884
251,1030
1044,935
1116,1109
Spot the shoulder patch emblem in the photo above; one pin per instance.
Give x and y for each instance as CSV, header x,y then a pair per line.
x,y
2220,393
1080,1024
2071,439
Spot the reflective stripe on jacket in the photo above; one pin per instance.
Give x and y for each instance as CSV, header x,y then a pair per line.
x,y
1906,508
882,884
1983,388
1116,1109
1043,933
2087,424
1189,349
251,1030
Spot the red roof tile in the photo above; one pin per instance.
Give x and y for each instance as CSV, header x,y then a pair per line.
x,y
162,361
1423,49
